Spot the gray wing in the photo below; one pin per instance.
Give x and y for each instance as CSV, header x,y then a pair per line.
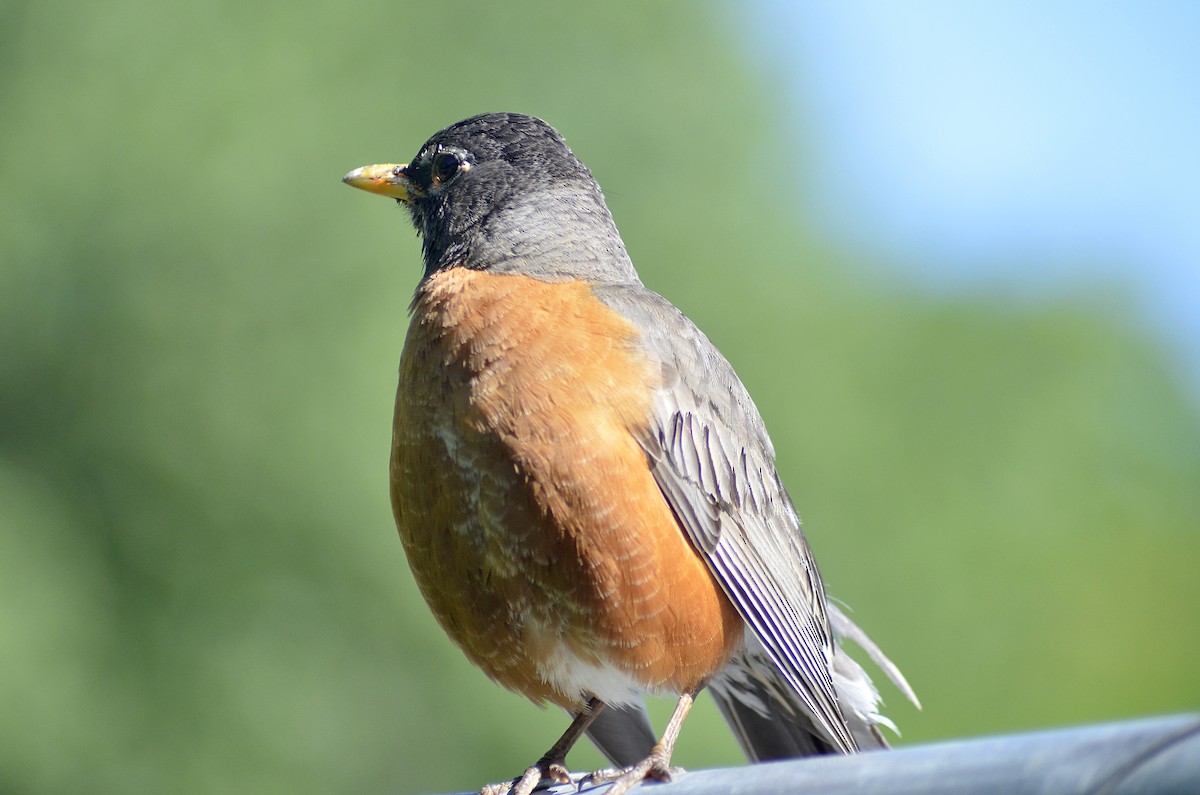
x,y
715,465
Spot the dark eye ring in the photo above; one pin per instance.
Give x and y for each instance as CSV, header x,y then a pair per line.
x,y
445,166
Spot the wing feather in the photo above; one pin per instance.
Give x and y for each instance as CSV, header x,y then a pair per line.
x,y
715,465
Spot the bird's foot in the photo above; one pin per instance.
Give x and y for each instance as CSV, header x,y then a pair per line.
x,y
553,770
656,766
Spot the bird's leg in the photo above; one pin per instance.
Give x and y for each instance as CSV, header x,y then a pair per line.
x,y
553,764
658,763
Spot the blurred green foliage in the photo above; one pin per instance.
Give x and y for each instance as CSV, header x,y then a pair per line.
x,y
200,586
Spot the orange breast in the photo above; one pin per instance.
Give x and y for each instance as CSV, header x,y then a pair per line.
x,y
530,518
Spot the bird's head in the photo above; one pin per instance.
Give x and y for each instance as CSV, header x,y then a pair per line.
x,y
501,191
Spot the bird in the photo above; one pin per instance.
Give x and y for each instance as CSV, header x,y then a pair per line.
x,y
585,491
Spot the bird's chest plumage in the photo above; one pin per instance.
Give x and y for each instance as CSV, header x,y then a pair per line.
x,y
526,505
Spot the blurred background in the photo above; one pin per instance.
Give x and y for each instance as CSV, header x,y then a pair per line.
x,y
952,254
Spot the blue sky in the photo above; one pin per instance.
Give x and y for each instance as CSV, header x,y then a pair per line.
x,y
1034,146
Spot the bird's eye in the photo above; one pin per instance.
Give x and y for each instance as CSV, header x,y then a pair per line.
x,y
445,166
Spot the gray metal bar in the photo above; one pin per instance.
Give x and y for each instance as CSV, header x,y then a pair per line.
x,y
1153,755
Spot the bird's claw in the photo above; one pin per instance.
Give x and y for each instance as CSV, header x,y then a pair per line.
x,y
655,766
553,772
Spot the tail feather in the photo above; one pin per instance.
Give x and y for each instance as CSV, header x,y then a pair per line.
x,y
765,727
846,629
623,734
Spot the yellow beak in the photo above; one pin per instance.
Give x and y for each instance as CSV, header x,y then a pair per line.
x,y
386,179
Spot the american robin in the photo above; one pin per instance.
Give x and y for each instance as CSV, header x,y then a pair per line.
x,y
585,490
